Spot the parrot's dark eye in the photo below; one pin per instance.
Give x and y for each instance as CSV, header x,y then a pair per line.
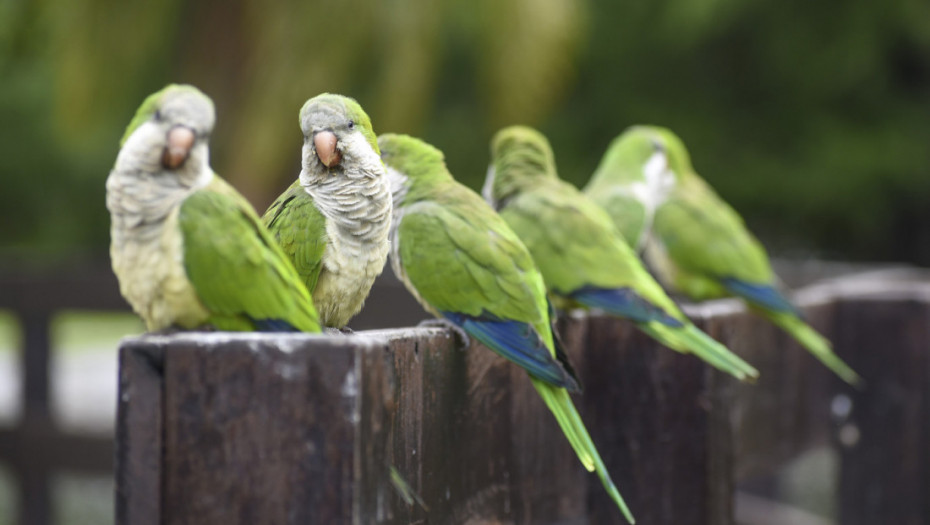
x,y
351,124
157,114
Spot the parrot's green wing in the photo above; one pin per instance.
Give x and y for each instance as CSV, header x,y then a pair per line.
x,y
474,263
300,229
576,246
705,238
471,269
713,253
627,213
240,274
464,261
583,259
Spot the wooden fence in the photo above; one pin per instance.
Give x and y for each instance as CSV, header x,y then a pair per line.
x,y
253,428
35,447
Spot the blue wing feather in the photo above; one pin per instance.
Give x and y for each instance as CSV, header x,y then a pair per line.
x,y
764,295
625,303
273,325
517,342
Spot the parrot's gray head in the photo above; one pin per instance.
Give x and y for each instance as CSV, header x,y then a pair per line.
x,y
338,138
170,134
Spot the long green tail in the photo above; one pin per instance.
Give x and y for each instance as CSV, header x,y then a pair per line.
x,y
561,406
690,339
815,344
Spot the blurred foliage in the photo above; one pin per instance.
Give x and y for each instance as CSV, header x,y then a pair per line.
x,y
810,117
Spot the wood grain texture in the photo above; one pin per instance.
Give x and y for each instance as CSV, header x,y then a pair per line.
x,y
139,435
653,418
258,428
304,429
885,439
257,432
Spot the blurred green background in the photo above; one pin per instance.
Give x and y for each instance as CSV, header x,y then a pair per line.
x,y
811,118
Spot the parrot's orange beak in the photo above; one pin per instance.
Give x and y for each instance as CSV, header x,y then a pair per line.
x,y
177,147
325,144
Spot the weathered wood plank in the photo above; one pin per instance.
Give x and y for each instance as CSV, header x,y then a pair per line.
x,y
548,483
787,410
657,423
258,430
306,429
883,431
467,432
139,435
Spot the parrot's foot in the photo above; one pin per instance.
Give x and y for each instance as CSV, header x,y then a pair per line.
x,y
346,330
461,338
328,330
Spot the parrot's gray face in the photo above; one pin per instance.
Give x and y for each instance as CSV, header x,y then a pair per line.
x,y
331,139
174,140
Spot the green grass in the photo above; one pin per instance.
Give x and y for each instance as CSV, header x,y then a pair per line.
x,y
79,499
76,331
9,332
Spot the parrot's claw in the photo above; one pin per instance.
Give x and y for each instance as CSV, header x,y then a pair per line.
x,y
328,330
461,338
346,330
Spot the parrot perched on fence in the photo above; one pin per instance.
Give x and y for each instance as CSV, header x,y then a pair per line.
x,y
333,221
466,266
583,259
696,243
188,250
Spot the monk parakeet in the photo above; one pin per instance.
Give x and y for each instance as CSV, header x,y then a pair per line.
x,y
632,179
333,221
583,259
465,265
188,250
696,243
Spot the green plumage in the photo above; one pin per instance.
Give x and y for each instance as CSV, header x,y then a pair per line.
x,y
577,248
333,221
706,238
623,186
492,273
700,246
238,271
456,255
300,230
188,250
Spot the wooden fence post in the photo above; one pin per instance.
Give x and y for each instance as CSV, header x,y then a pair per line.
x,y
883,431
306,429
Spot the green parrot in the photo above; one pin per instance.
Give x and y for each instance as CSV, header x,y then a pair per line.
x,y
333,222
696,242
466,266
583,259
633,178
188,250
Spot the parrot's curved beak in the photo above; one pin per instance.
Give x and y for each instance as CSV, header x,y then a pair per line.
x,y
177,147
325,144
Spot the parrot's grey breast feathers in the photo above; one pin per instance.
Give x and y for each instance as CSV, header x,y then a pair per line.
x,y
356,202
146,244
